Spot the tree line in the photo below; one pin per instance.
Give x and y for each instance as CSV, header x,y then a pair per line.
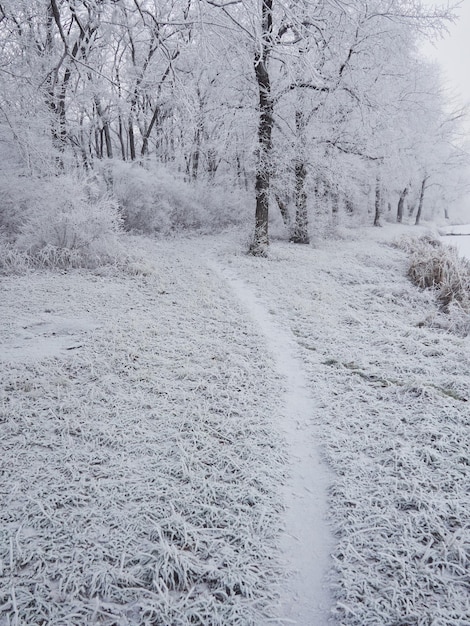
x,y
315,107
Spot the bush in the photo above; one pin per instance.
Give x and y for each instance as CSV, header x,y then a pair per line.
x,y
153,200
62,221
73,220
18,197
439,267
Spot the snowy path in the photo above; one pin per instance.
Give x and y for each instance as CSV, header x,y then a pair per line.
x,y
392,419
306,542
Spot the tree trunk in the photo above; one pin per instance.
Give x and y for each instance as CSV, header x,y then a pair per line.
x,y
421,200
106,133
263,170
401,204
196,154
378,201
121,139
131,139
300,231
284,212
145,141
213,163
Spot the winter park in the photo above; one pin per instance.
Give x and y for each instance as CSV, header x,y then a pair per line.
x,y
234,313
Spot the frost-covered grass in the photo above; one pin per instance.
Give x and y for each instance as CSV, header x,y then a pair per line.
x,y
393,408
142,465
139,466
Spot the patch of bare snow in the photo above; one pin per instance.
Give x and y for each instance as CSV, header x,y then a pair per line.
x,y
461,243
44,336
457,235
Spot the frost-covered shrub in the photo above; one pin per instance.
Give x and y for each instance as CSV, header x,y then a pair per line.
x,y
439,267
12,260
224,205
152,202
156,201
62,221
459,317
17,195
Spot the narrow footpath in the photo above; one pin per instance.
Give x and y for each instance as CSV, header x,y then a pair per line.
x,y
306,542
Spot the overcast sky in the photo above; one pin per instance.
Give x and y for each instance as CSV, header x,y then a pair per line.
x,y
453,52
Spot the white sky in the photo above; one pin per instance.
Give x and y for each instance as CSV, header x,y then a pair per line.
x,y
453,52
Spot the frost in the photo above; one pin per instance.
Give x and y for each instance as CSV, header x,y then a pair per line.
x,y
139,470
143,472
392,409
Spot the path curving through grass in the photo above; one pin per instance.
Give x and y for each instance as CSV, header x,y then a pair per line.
x,y
306,541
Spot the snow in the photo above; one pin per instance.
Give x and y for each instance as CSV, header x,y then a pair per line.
x,y
457,236
220,419
391,390
43,337
456,229
306,542
139,471
461,243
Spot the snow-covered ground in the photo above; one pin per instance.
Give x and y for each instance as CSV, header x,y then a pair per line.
x,y
157,431
140,463
456,230
462,244
457,236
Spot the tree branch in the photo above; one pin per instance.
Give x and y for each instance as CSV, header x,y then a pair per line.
x,y
56,14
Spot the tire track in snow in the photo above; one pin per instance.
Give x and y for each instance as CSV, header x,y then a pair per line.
x,y
306,543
